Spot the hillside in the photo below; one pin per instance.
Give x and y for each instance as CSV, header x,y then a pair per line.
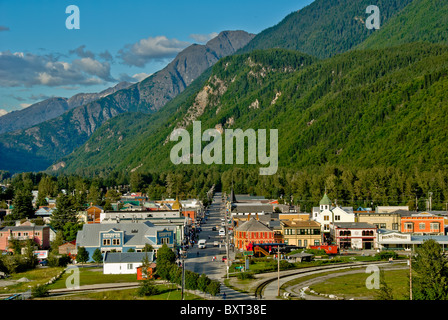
x,y
358,109
36,148
325,28
50,108
422,20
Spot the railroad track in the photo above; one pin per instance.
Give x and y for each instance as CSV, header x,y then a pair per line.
x,y
259,289
83,289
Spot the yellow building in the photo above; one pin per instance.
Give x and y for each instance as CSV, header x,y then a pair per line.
x,y
301,233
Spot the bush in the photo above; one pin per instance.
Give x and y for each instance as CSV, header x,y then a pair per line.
x,y
245,275
214,287
385,255
147,288
39,291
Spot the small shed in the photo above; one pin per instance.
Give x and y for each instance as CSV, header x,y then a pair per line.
x,y
149,273
301,256
68,248
124,262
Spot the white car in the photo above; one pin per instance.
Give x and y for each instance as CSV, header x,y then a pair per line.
x,y
222,232
202,244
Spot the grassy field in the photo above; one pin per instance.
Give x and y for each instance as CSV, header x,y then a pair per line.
x,y
166,292
36,276
93,276
354,285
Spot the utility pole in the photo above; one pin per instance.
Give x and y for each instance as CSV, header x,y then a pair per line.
x,y
183,275
410,276
278,270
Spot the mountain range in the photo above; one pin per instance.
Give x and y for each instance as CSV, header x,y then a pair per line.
x,y
51,108
337,92
37,147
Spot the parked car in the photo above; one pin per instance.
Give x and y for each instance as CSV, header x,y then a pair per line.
x,y
43,262
216,243
213,228
224,258
202,244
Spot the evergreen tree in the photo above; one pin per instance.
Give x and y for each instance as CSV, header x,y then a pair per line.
x,y
64,213
23,204
82,255
97,256
430,272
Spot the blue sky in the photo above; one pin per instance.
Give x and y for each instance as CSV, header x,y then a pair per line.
x,y
117,40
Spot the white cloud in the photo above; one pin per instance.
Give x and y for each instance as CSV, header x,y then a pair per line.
x,y
27,69
151,48
24,105
141,76
203,38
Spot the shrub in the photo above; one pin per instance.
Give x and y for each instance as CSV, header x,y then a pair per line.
x,y
39,291
385,255
245,275
147,288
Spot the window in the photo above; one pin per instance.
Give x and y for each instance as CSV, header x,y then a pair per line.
x,y
434,226
394,226
305,243
116,242
316,242
165,241
408,226
326,227
299,243
129,266
106,242
326,218
337,218
422,226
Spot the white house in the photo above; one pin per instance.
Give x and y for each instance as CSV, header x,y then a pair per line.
x,y
124,262
327,214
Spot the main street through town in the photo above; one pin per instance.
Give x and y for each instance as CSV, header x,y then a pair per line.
x,y
202,260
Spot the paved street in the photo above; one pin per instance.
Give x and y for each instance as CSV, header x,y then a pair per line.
x,y
203,262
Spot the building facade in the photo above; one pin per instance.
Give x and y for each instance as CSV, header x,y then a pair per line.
x,y
355,235
124,262
121,237
301,233
39,234
252,232
424,224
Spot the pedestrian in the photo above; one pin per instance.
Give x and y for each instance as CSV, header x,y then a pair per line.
x,y
224,296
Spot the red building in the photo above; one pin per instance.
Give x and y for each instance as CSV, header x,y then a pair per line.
x,y
39,234
149,273
423,223
253,232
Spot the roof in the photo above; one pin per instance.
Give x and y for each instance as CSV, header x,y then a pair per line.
x,y
325,200
301,223
127,257
355,225
134,233
23,228
253,208
253,225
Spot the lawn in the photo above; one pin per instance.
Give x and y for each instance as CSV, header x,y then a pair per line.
x,y
36,276
166,292
93,276
354,285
